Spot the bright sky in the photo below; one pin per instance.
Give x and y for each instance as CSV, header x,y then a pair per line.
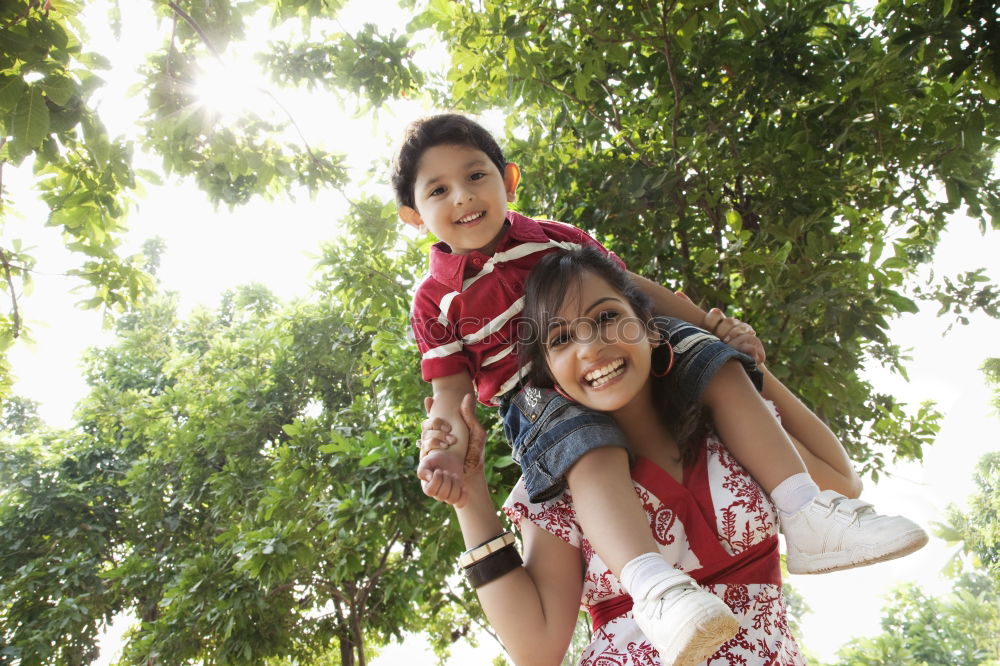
x,y
275,244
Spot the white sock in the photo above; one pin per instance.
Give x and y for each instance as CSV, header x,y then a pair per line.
x,y
645,574
794,493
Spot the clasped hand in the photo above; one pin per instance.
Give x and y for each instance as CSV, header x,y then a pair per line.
x,y
737,334
435,434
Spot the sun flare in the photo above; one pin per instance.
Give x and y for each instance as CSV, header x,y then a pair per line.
x,y
229,87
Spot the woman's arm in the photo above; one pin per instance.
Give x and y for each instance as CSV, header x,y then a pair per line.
x,y
533,609
821,451
823,454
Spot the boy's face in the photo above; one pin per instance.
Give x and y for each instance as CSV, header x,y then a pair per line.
x,y
461,198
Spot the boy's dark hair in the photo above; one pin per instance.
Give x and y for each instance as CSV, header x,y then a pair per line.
x,y
446,129
547,287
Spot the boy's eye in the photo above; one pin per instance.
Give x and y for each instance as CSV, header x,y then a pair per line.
x,y
477,175
436,191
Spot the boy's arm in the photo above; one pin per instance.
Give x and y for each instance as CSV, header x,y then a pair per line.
x,y
666,302
448,393
444,445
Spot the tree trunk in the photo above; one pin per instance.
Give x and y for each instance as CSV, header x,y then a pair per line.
x,y
359,635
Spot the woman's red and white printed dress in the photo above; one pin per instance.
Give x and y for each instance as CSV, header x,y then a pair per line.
x,y
718,526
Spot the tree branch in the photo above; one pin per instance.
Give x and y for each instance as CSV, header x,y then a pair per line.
x,y
359,636
712,212
382,566
218,56
3,142
674,83
23,17
592,111
878,133
485,626
333,592
194,26
611,102
15,314
375,271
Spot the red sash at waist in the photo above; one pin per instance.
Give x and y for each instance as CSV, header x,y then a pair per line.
x,y
756,565
608,610
760,564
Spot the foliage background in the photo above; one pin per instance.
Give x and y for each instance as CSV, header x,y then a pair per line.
x,y
180,405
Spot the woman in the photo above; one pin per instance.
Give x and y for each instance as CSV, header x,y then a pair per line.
x,y
710,519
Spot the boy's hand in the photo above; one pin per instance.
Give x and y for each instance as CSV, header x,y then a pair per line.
x,y
435,432
444,487
436,435
737,334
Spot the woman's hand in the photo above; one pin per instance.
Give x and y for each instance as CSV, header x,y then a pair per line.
x,y
435,435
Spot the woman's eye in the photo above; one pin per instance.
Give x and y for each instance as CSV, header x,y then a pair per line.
x,y
558,340
606,316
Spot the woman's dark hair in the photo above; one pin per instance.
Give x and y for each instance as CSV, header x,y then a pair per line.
x,y
549,284
446,129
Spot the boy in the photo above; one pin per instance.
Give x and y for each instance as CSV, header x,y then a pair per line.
x,y
451,179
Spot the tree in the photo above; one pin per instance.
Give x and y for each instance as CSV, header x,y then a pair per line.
x,y
48,78
976,532
991,368
776,158
962,627
780,159
241,481
959,629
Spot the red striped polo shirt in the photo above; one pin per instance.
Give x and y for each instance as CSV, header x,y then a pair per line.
x,y
465,310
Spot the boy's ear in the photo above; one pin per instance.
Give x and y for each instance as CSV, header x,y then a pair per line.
x,y
511,178
410,215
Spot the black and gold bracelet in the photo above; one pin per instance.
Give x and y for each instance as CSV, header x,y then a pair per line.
x,y
485,549
495,565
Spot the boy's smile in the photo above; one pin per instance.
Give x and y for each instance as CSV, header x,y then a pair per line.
x,y
461,198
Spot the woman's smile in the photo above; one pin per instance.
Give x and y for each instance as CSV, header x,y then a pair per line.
x,y
605,374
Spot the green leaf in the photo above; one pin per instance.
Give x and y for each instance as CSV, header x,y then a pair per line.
x,y
782,254
59,89
871,332
15,42
686,31
12,89
734,220
372,457
896,263
96,138
901,303
31,119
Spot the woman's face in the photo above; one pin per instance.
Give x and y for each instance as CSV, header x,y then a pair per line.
x,y
596,347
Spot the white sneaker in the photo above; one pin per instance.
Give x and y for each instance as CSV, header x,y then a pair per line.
x,y
833,533
685,623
